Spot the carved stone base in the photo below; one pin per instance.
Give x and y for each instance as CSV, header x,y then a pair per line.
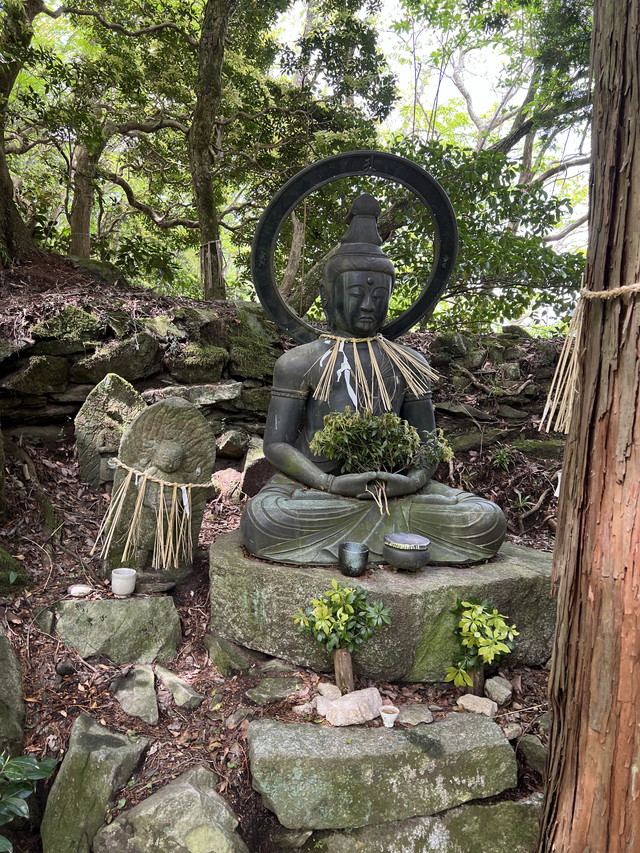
x,y
252,602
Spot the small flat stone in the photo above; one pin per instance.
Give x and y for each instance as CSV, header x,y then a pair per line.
x,y
136,694
239,716
478,705
512,731
329,691
303,710
80,590
534,753
544,722
277,665
499,690
183,693
273,690
352,708
414,715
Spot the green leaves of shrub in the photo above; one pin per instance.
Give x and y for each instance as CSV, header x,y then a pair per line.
x,y
484,637
18,777
362,441
342,618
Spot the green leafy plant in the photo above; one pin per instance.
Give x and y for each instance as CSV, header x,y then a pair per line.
x,y
502,457
484,636
362,441
341,619
18,777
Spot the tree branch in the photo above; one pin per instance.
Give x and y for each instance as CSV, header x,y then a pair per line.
x,y
157,218
560,235
119,28
563,167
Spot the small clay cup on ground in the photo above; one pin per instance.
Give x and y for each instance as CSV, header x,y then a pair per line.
x,y
389,714
352,558
123,582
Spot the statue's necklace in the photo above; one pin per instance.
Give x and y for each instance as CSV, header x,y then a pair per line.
x,y
365,391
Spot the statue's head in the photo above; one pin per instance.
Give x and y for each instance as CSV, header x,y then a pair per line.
x,y
358,277
168,456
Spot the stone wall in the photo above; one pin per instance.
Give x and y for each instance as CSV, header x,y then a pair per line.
x,y
491,391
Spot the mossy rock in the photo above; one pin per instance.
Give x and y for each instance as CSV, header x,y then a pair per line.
x,y
196,363
163,327
452,344
251,342
132,358
103,270
13,575
549,448
42,374
71,324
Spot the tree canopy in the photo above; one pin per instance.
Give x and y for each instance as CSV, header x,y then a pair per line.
x,y
154,134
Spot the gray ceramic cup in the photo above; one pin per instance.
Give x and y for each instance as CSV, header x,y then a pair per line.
x,y
352,558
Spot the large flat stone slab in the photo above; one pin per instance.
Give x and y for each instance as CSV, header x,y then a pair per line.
x,y
317,778
134,630
507,827
253,600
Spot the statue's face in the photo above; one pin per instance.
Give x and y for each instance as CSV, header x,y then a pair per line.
x,y
168,456
360,303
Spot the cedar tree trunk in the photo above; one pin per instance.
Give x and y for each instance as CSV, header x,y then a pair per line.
x,y
592,802
200,140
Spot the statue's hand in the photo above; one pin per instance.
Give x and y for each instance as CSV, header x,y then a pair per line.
x,y
353,485
398,485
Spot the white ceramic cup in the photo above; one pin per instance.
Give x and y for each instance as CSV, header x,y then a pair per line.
x,y
389,714
123,581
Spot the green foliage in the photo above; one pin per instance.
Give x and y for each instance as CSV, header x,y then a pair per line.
x,y
342,617
18,777
484,637
502,457
362,441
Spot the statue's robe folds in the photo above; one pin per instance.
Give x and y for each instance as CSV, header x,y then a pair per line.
x,y
288,523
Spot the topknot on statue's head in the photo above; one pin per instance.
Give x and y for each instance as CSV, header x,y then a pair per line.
x,y
359,248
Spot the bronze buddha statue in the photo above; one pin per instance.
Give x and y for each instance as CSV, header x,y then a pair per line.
x,y
309,507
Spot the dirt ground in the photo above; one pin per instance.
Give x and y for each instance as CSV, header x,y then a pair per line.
x,y
208,736
55,549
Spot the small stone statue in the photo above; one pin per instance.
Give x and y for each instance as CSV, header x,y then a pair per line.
x,y
307,509
164,466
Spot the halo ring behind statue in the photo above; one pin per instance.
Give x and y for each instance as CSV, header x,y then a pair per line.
x,y
375,163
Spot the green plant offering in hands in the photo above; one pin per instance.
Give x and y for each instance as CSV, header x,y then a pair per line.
x,y
18,777
342,618
484,635
361,441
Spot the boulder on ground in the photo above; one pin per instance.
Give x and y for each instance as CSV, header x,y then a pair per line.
x,y
98,762
352,709
135,630
186,815
11,700
316,778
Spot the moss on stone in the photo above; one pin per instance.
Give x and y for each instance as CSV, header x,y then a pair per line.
x,y
13,575
42,374
163,327
197,362
71,324
550,448
250,340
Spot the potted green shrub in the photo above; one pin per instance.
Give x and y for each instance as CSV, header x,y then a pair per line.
x,y
341,620
361,441
484,637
